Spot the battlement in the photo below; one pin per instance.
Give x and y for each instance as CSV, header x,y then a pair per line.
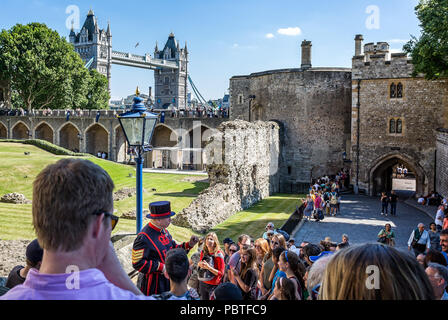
x,y
378,62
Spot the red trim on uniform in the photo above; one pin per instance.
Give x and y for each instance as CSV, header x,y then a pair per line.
x,y
160,255
154,227
149,284
160,268
143,266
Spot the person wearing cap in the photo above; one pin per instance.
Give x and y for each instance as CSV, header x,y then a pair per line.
x,y
227,242
150,248
320,255
18,274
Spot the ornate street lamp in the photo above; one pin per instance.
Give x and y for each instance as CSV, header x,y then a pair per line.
x,y
138,127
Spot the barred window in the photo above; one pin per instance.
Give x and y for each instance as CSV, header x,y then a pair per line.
x,y
393,90
399,126
392,126
399,90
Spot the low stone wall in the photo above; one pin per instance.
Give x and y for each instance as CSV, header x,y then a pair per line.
x,y
243,169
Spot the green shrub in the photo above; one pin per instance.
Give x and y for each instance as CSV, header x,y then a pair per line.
x,y
48,146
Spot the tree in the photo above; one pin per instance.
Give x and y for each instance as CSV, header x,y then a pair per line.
x,y
97,94
45,72
430,52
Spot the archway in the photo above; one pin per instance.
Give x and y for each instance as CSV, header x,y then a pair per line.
x,y
97,139
3,131
69,137
193,152
385,176
165,151
44,132
20,131
120,145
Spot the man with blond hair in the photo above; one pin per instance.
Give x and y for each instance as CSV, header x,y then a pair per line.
x,y
72,215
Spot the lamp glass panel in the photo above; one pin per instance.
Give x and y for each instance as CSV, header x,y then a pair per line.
x,y
149,128
133,128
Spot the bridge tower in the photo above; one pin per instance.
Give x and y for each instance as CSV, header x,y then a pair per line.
x,y
171,84
93,42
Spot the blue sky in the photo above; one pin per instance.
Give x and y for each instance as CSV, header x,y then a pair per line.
x,y
231,37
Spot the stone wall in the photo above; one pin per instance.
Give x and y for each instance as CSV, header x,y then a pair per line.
x,y
312,107
243,169
422,108
442,162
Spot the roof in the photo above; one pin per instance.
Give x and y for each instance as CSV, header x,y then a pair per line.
x,y
171,43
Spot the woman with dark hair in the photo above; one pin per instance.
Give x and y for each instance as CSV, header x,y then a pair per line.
x,y
434,237
285,289
435,256
211,266
387,235
247,278
290,264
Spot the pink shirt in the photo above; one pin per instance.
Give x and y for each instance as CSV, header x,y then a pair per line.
x,y
92,285
317,202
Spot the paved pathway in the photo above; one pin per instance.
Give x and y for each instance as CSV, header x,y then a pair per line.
x,y
361,221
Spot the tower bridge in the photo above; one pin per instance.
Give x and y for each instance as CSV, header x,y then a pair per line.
x,y
170,65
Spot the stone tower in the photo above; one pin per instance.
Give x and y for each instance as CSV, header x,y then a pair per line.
x,y
171,85
93,42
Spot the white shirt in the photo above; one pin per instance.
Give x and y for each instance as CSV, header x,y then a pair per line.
x,y
439,218
424,239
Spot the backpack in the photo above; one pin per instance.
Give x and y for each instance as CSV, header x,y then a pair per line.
x,y
320,214
334,199
283,233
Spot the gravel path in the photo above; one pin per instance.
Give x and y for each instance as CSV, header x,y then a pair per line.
x,y
12,253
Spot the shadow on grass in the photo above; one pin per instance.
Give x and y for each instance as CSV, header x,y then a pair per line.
x,y
191,192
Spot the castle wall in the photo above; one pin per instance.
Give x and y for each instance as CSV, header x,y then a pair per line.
x,y
442,162
313,109
421,109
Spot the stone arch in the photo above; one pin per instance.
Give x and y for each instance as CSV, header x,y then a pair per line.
x,y
3,131
69,137
380,174
164,136
193,152
44,131
206,132
21,131
120,144
97,139
164,154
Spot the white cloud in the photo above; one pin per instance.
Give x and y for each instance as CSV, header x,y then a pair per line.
x,y
291,31
235,45
269,35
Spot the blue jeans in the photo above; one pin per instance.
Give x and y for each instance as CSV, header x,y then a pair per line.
x,y
393,208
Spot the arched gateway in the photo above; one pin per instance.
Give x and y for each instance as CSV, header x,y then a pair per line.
x,y
385,175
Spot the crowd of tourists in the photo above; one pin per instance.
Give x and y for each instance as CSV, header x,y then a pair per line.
x,y
199,112
73,220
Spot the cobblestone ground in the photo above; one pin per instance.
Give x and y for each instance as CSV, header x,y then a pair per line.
x,y
361,220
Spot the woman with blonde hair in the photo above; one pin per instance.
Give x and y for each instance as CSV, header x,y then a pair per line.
x,y
374,272
211,266
261,248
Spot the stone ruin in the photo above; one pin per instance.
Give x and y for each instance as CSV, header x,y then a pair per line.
x,y
16,198
243,169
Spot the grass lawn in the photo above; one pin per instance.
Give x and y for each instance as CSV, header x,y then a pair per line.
x,y
18,171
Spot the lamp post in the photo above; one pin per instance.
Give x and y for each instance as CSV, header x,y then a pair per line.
x,y
138,127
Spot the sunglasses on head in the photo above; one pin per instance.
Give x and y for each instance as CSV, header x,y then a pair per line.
x,y
233,250
113,219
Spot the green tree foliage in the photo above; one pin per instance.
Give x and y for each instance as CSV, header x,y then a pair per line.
x,y
98,93
44,70
430,52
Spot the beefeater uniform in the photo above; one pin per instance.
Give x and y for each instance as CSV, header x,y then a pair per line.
x,y
149,252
